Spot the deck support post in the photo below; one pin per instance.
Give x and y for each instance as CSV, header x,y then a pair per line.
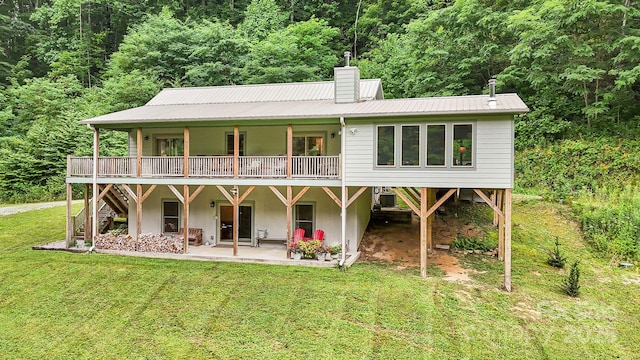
x,y
423,232
138,201
87,214
288,202
70,224
507,240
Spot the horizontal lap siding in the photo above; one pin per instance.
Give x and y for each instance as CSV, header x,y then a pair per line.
x,y
494,161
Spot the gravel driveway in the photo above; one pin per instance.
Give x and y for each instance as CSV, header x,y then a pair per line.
x,y
14,209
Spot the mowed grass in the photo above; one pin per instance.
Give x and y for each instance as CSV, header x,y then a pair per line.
x,y
63,305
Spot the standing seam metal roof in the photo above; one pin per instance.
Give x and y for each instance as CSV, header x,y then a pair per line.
x,y
304,91
454,105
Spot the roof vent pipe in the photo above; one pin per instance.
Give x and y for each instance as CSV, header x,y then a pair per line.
x,y
492,89
492,94
347,57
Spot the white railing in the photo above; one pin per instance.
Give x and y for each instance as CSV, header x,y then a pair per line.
x,y
321,167
315,167
116,166
263,166
158,166
211,166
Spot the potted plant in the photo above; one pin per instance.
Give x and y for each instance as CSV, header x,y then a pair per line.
x,y
296,252
334,250
309,248
321,253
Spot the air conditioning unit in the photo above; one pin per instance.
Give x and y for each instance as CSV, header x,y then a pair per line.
x,y
388,200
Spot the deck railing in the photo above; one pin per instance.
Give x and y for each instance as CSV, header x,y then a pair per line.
x,y
315,166
211,166
263,166
321,167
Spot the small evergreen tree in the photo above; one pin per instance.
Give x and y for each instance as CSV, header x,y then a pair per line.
x,y
556,258
571,284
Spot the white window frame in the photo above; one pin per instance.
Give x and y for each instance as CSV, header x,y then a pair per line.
x,y
473,146
395,146
402,126
306,135
243,144
313,216
163,216
446,146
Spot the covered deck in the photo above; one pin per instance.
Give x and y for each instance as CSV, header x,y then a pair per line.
x,y
301,167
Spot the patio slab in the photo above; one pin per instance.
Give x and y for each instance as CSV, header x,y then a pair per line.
x,y
266,254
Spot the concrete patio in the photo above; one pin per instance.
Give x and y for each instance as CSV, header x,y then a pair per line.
x,y
274,254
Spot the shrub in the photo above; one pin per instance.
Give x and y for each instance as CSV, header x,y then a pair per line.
x,y
571,284
610,221
556,259
471,243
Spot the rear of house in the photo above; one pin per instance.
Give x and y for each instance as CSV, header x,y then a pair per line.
x,y
253,162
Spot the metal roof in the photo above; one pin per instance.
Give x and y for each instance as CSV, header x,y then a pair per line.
x,y
302,91
316,109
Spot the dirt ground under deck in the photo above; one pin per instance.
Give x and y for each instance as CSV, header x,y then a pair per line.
x,y
399,244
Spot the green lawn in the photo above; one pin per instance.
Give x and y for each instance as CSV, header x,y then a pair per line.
x,y
63,305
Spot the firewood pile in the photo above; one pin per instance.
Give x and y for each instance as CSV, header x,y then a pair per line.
x,y
145,243
160,243
109,241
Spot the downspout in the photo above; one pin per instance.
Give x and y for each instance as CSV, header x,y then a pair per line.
x,y
94,225
343,212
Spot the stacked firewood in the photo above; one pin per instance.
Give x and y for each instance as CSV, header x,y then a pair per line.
x,y
160,243
146,243
111,242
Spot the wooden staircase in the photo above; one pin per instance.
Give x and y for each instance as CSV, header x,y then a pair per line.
x,y
113,204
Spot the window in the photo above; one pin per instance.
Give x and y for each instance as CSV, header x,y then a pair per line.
x,y
462,145
308,145
170,146
229,137
436,145
304,218
170,216
410,145
386,145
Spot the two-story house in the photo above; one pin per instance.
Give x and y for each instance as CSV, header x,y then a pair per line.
x,y
232,160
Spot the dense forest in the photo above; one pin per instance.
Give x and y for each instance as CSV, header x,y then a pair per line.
x,y
576,63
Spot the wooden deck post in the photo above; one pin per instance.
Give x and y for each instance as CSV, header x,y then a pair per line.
x,y
138,202
423,232
431,199
507,239
70,225
87,214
